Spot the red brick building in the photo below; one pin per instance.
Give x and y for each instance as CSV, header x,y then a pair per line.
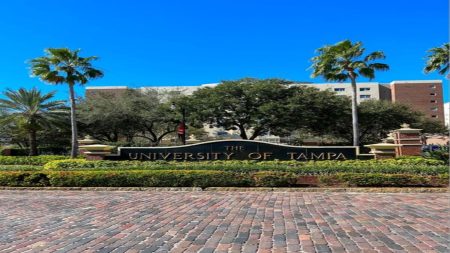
x,y
425,96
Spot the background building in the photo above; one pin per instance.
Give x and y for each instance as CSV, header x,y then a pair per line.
x,y
447,113
424,96
364,91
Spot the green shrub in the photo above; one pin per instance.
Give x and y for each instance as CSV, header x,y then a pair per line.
x,y
148,178
442,153
173,178
29,160
418,165
381,180
21,168
23,179
274,179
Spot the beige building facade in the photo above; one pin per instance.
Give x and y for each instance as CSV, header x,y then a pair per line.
x,y
364,91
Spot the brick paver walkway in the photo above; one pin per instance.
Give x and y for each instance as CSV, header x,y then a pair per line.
x,y
60,221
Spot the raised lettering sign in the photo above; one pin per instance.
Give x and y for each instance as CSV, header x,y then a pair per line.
x,y
235,150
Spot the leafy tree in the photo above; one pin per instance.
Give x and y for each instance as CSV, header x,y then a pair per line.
x,y
378,117
106,117
316,112
255,107
30,111
156,118
438,59
345,61
134,114
62,65
249,105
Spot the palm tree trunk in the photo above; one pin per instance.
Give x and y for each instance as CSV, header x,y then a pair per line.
x,y
32,142
73,121
355,114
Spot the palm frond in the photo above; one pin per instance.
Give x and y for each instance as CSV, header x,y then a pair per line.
x,y
438,59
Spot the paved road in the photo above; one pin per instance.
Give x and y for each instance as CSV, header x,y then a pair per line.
x,y
61,221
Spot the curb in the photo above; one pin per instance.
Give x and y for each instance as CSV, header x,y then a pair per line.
x,y
354,189
237,189
153,189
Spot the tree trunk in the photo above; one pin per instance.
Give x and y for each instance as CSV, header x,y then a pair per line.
x,y
355,113
33,143
243,134
255,134
73,121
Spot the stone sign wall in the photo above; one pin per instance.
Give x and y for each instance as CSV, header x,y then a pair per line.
x,y
235,150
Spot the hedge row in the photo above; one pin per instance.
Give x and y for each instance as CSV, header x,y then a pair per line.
x,y
29,160
417,166
171,178
21,168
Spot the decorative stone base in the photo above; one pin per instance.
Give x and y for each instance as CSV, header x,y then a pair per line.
x,y
384,155
94,157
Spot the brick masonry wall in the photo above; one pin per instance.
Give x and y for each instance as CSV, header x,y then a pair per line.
x,y
418,97
411,150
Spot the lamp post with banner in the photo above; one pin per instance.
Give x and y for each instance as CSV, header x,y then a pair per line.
x,y
181,129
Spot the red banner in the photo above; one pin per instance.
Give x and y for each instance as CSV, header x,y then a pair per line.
x,y
181,129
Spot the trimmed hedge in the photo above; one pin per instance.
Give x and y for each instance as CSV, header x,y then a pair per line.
x,y
171,178
21,168
418,166
29,160
384,180
158,178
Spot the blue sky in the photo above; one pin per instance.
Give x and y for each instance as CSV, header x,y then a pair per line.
x,y
161,42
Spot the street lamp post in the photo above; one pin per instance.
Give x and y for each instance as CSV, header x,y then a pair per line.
x,y
183,126
181,129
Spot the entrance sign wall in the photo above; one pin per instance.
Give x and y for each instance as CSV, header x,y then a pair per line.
x,y
235,150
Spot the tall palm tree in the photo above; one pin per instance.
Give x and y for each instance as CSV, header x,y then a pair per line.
x,y
31,110
438,59
62,65
345,61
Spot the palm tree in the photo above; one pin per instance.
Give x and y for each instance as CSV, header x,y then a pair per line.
x,y
31,111
438,59
62,65
345,61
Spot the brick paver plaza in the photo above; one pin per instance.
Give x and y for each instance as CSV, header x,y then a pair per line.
x,y
79,221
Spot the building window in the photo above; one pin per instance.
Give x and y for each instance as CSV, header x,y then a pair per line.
x,y
434,116
433,101
339,89
364,89
434,109
364,96
433,94
433,86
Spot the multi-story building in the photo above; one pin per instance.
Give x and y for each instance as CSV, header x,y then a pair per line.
x,y
364,91
425,96
447,113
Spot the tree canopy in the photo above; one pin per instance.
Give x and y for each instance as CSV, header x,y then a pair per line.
x,y
256,107
134,114
30,111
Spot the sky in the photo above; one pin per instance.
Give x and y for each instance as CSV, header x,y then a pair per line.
x,y
177,43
